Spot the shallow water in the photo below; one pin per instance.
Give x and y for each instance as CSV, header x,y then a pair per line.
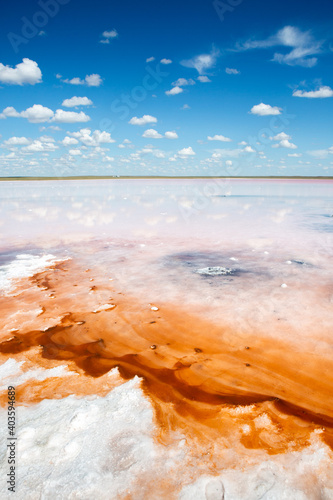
x,y
217,294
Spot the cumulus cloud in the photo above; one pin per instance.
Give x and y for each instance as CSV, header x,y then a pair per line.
x,y
93,80
38,146
9,112
25,72
218,138
75,152
182,82
76,101
203,79
69,141
202,62
322,92
144,120
232,153
249,149
232,71
186,152
150,59
171,135
108,35
165,61
281,136
294,155
265,110
151,134
62,116
17,141
285,143
175,91
37,114
88,138
302,43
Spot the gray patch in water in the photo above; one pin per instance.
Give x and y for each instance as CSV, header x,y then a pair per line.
x,y
215,271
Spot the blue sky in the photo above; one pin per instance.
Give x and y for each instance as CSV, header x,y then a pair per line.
x,y
234,87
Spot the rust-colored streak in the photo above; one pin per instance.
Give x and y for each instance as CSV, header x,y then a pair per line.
x,y
205,378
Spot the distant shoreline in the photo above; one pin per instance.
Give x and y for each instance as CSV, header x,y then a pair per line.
x,y
141,177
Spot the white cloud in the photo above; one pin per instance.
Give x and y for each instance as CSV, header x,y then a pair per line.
x,y
46,138
93,80
17,141
285,143
174,91
92,139
165,61
232,71
302,43
265,110
322,92
38,146
185,106
228,163
110,34
37,114
75,152
203,79
69,141
242,143
25,72
150,59
294,155
144,120
54,128
249,149
186,152
219,138
62,116
182,82
151,134
171,135
231,153
76,101
9,112
202,62
281,136
74,81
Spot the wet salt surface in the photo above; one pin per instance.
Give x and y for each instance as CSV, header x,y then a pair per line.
x,y
152,246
